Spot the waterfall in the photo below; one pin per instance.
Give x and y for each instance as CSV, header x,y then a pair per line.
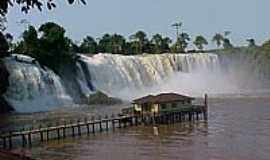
x,y
122,76
33,88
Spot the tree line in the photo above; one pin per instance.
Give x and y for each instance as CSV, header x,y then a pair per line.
x,y
137,43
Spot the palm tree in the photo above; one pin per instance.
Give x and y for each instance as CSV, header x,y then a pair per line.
x,y
218,38
118,43
157,41
89,45
251,42
199,42
183,41
141,38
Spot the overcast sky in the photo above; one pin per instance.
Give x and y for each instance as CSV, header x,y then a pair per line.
x,y
244,18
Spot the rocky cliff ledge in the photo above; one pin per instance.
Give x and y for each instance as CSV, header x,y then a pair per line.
x,y
4,83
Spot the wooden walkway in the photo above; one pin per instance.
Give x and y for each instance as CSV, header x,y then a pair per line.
x,y
25,138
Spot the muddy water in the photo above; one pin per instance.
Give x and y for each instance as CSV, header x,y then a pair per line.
x,y
237,129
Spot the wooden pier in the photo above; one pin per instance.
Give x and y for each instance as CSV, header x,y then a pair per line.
x,y
26,137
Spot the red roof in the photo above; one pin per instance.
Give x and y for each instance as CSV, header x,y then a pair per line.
x,y
162,98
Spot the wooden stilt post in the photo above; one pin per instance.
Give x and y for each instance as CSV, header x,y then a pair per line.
x,y
79,127
87,125
100,123
107,123
58,130
29,139
136,120
189,116
93,125
73,129
119,123
4,142
10,140
23,140
205,107
41,133
113,123
64,129
47,132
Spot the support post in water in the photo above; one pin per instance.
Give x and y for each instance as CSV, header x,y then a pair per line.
x,y
93,125
107,122
41,133
64,129
58,130
47,132
79,127
29,139
100,124
205,112
113,124
87,125
4,142
10,140
23,140
73,129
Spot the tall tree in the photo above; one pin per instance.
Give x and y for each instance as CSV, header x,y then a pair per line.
x,y
29,45
199,42
183,41
104,45
89,45
157,42
160,44
227,43
142,40
251,42
118,43
218,38
54,46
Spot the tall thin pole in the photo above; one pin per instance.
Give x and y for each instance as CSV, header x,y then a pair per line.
x,y
177,26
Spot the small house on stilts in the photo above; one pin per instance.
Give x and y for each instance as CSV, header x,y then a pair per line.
x,y
167,107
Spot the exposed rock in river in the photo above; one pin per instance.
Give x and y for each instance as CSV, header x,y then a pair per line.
x,y
102,98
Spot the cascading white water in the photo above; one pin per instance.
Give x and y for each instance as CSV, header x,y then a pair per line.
x,y
32,88
132,76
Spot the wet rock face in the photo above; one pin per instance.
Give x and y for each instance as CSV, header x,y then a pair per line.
x,y
4,83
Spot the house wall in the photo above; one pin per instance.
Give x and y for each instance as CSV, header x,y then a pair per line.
x,y
173,106
159,108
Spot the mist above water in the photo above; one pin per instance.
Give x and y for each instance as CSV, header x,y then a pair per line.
x,y
34,88
129,77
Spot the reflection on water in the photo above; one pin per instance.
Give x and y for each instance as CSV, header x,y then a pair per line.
x,y
237,129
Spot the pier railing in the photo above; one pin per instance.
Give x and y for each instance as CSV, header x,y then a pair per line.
x,y
93,125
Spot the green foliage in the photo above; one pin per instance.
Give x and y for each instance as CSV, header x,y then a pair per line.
x,y
251,42
227,43
112,44
181,43
89,45
160,44
26,5
218,38
141,41
52,49
199,42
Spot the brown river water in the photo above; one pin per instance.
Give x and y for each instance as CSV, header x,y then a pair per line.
x,y
237,129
